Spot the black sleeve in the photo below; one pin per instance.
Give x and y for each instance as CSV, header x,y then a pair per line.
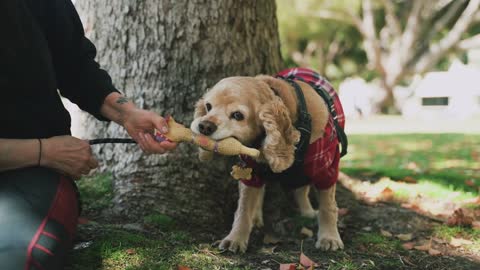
x,y
79,77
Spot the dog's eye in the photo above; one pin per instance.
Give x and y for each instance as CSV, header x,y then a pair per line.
x,y
209,106
237,116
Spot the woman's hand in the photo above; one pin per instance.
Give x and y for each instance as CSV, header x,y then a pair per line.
x,y
68,155
140,124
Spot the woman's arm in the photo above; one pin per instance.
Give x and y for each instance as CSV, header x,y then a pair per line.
x,y
65,154
15,154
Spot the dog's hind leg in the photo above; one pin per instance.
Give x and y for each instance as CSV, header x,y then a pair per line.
x,y
328,236
237,239
303,202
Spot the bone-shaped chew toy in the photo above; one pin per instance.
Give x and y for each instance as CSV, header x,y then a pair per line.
x,y
228,146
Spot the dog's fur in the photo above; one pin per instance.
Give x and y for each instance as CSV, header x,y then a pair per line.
x,y
269,107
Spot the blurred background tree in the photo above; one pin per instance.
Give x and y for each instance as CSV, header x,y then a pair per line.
x,y
386,39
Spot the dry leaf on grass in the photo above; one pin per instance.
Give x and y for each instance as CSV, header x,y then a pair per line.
x,y
409,180
270,239
130,251
424,247
470,182
387,194
408,245
386,233
287,266
457,242
181,267
342,211
476,225
307,232
434,252
405,236
458,218
306,261
269,250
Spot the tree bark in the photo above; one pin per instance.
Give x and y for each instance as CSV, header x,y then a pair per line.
x,y
163,54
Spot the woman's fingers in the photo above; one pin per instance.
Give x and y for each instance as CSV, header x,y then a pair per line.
x,y
152,146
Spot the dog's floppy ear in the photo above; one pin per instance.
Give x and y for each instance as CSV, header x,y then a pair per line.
x,y
278,147
199,109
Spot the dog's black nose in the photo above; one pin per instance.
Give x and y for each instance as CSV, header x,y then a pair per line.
x,y
207,128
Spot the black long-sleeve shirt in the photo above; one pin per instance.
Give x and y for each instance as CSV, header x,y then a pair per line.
x,y
43,48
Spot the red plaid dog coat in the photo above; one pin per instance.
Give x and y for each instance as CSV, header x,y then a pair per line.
x,y
321,163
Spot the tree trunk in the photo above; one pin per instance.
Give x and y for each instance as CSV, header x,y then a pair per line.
x,y
163,54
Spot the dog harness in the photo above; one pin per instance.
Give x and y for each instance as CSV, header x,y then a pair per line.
x,y
316,163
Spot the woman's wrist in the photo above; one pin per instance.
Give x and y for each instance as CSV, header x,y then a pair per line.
x,y
116,107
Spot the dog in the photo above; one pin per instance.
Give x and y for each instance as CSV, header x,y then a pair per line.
x,y
262,112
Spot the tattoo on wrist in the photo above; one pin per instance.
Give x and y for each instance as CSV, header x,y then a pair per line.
x,y
122,100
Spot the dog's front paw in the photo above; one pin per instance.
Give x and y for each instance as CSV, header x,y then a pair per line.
x,y
234,244
329,242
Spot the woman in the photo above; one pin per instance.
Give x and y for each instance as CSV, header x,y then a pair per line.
x,y
42,49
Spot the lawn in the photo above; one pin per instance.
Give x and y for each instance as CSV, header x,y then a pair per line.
x,y
440,163
435,166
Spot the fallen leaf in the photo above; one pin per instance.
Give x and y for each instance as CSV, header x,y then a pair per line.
x,y
470,182
367,228
409,179
414,206
307,232
305,261
405,236
458,218
439,241
424,247
288,266
408,245
130,251
457,242
342,211
181,267
434,252
476,225
268,250
413,166
387,194
386,233
270,239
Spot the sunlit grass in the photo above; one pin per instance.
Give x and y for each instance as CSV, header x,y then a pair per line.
x,y
441,163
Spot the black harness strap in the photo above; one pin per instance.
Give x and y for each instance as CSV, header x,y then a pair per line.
x,y
303,123
342,137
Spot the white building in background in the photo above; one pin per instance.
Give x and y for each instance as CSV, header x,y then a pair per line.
x,y
358,97
447,94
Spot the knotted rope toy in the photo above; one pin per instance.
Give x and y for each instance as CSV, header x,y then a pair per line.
x,y
228,146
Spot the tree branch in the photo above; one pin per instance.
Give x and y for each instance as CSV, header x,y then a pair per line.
x,y
469,43
440,24
411,31
371,42
437,50
341,16
392,20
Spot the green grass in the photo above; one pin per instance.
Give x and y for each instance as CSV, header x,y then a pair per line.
x,y
119,249
441,163
96,192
